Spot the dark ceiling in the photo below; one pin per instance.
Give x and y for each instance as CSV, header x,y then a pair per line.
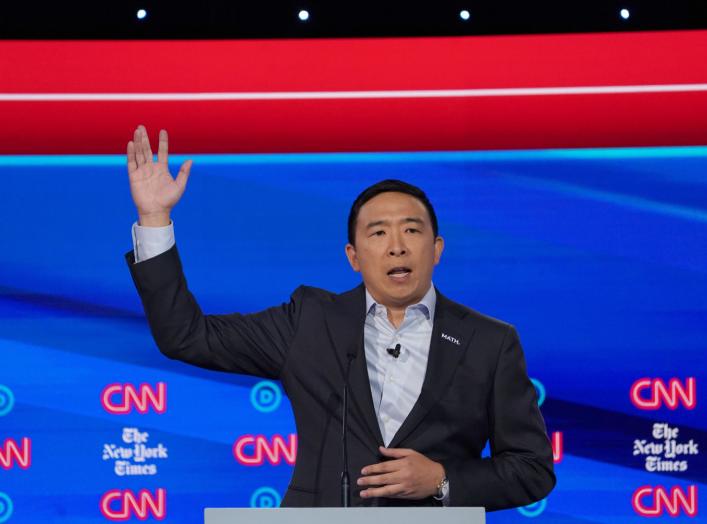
x,y
337,18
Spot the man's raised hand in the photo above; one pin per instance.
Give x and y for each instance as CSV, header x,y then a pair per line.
x,y
154,190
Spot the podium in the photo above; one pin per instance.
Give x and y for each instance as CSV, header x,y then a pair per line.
x,y
404,515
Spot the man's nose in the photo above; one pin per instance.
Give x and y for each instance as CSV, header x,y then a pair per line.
x,y
397,246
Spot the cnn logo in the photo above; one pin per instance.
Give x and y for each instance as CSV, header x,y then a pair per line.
x,y
253,450
119,505
12,453
653,393
649,501
121,399
558,448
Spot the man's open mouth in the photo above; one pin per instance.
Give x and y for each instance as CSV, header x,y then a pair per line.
x,y
399,272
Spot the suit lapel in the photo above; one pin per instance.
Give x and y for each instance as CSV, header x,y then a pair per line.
x,y
448,345
345,322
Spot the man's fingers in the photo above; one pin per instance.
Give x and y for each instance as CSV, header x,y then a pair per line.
x,y
139,155
379,480
147,151
132,161
392,490
162,147
183,174
382,467
395,452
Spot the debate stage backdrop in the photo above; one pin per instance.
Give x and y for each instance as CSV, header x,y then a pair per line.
x,y
569,173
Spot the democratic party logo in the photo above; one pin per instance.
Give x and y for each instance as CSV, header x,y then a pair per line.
x,y
7,400
265,497
120,505
121,399
654,501
12,453
266,396
533,510
254,450
653,393
539,390
5,507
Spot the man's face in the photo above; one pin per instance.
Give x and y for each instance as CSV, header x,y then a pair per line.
x,y
395,249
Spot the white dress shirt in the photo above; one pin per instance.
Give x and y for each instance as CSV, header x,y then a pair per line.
x,y
396,382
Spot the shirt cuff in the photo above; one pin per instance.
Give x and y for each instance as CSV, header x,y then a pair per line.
x,y
149,242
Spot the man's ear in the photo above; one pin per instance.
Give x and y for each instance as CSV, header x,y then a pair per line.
x,y
439,247
353,259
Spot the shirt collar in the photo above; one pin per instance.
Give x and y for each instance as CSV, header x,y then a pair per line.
x,y
426,304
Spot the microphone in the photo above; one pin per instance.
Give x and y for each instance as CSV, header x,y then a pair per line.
x,y
345,482
394,352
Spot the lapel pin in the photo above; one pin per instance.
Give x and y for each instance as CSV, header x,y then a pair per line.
x,y
451,339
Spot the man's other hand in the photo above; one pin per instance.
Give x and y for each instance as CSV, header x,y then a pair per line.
x,y
408,475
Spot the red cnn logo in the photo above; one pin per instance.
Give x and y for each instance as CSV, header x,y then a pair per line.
x,y
121,399
558,448
662,502
252,450
11,453
658,394
119,505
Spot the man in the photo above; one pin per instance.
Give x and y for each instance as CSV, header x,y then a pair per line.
x,y
430,380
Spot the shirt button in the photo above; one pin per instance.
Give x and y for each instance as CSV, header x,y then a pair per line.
x,y
385,418
392,379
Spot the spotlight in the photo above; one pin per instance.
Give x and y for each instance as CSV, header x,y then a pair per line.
x,y
303,15
625,14
464,15
141,14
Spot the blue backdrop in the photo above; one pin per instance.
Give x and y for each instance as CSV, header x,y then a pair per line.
x,y
599,257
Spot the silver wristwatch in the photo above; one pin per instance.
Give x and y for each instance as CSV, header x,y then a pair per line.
x,y
442,489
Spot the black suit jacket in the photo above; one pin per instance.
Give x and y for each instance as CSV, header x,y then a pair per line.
x,y
475,389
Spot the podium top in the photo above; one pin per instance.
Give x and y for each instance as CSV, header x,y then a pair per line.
x,y
404,515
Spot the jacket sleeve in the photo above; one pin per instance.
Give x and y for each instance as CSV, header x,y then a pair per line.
x,y
253,344
520,469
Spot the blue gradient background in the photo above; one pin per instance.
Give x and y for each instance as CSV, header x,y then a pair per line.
x,y
598,256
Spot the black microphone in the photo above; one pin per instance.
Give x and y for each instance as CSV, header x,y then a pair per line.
x,y
345,482
394,352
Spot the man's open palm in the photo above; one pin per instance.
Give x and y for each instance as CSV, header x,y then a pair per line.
x,y
154,190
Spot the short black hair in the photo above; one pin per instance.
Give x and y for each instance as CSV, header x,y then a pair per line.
x,y
389,186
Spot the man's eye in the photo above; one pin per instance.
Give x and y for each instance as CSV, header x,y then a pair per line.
x,y
378,233
412,230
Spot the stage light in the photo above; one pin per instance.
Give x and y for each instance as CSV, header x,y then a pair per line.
x,y
141,14
625,14
464,15
303,15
